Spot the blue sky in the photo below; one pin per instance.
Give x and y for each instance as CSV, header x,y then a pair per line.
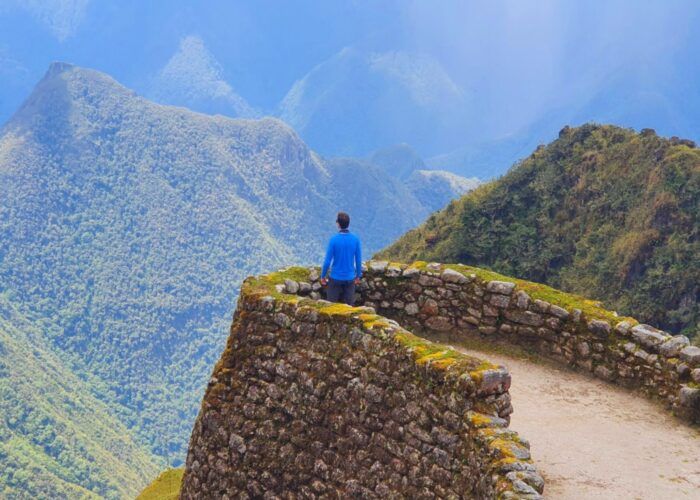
x,y
520,68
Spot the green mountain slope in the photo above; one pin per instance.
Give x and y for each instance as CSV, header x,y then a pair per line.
x,y
57,440
126,227
602,211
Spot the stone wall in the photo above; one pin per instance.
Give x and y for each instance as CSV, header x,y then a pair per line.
x,y
462,300
319,400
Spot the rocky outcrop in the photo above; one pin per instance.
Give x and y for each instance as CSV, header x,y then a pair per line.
x,y
319,400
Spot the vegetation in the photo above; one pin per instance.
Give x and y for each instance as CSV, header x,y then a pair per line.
x,y
165,487
57,440
603,212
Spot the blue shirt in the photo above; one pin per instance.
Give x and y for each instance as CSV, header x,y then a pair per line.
x,y
343,256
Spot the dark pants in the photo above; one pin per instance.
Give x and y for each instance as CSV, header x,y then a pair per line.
x,y
341,291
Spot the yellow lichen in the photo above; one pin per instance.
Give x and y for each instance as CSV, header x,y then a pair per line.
x,y
339,309
479,419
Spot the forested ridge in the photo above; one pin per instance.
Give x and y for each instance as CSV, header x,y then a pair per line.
x,y
602,211
126,228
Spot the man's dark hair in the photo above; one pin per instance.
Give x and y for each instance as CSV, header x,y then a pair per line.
x,y
343,220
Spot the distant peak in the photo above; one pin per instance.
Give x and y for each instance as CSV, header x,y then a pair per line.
x,y
58,67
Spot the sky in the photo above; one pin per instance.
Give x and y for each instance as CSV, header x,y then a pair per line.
x,y
517,69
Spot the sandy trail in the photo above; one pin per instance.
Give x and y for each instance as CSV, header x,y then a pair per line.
x,y
594,440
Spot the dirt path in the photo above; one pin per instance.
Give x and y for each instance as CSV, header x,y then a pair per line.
x,y
593,440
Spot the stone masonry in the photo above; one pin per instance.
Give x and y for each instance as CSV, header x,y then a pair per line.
x,y
456,300
319,400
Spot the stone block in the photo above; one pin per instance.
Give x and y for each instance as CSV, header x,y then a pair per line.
x,y
584,350
427,280
452,276
439,323
522,300
377,266
673,346
691,355
410,272
648,336
559,312
502,287
540,306
623,328
501,301
690,397
291,286
599,328
528,318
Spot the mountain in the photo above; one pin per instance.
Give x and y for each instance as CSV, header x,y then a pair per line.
x,y
126,227
602,211
57,439
359,101
400,160
436,188
432,188
193,78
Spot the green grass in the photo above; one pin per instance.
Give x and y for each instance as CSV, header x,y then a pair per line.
x,y
165,487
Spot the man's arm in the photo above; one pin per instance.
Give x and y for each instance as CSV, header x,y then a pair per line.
x,y
358,260
328,259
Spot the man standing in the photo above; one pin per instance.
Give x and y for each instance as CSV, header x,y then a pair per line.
x,y
344,258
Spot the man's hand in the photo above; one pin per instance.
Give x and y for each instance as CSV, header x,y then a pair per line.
x,y
357,281
324,281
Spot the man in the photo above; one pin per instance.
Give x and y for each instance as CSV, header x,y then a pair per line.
x,y
344,258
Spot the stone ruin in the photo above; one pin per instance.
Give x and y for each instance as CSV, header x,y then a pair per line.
x,y
318,400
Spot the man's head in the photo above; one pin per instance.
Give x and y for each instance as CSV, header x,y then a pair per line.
x,y
343,220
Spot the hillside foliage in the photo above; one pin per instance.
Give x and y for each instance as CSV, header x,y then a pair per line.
x,y
602,211
57,439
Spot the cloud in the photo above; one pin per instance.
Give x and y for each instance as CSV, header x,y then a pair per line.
x,y
61,17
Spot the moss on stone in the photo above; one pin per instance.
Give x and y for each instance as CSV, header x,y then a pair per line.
x,y
591,308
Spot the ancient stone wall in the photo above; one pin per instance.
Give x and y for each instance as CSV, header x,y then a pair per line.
x,y
319,400
461,300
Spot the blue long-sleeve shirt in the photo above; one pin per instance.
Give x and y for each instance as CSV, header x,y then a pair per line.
x,y
343,256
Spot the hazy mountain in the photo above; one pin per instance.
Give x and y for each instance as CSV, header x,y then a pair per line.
x,y
601,211
126,227
432,188
358,101
194,78
400,160
436,188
